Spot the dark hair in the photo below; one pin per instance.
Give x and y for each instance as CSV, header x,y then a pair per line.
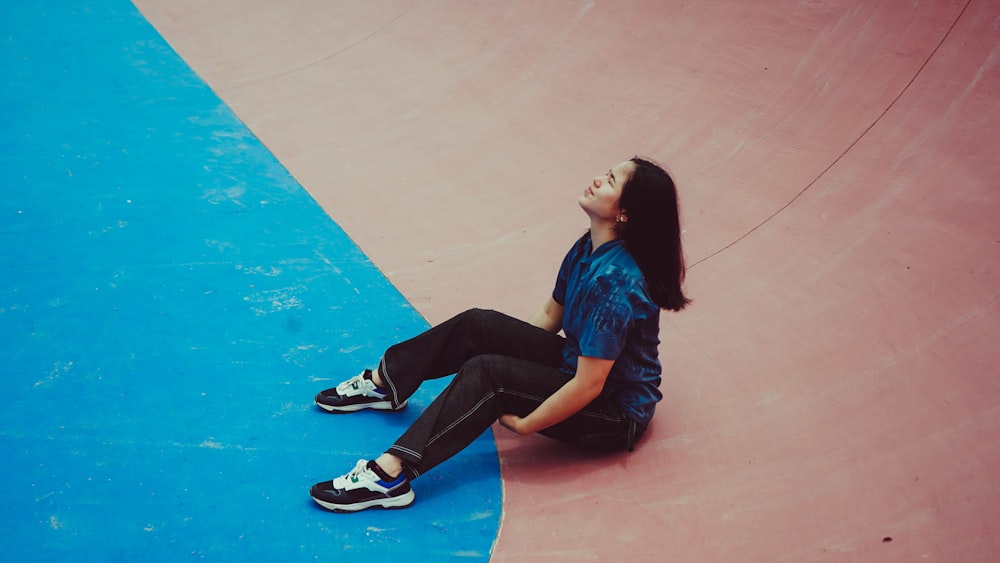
x,y
652,232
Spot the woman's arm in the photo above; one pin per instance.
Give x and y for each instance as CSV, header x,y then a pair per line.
x,y
586,385
549,317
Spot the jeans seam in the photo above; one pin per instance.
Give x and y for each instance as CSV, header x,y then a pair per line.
x,y
406,450
384,369
459,420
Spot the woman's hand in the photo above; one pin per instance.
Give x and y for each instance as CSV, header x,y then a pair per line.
x,y
586,385
512,422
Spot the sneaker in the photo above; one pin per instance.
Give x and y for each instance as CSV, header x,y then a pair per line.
x,y
358,392
366,486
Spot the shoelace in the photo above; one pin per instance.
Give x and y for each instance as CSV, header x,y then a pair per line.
x,y
352,384
355,474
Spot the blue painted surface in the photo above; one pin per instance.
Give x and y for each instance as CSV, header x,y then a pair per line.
x,y
170,301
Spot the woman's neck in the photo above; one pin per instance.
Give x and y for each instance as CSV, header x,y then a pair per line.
x,y
600,233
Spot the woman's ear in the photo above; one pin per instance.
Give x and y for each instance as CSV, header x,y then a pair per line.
x,y
622,216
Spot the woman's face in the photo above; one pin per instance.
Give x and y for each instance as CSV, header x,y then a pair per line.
x,y
600,199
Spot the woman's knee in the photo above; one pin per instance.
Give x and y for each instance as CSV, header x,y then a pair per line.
x,y
509,377
483,369
478,318
476,366
480,327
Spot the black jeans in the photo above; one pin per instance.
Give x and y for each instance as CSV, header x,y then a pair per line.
x,y
502,365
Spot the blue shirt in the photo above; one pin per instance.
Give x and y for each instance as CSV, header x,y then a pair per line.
x,y
608,314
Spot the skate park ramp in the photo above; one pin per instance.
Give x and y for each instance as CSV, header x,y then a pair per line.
x,y
832,392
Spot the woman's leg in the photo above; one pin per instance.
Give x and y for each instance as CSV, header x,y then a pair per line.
x,y
436,353
488,386
443,349
439,352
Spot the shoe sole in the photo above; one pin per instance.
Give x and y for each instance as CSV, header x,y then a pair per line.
x,y
392,503
360,406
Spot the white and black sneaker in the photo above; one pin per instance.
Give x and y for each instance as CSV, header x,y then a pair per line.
x,y
357,393
366,486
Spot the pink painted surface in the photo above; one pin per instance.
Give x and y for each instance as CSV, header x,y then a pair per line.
x,y
835,383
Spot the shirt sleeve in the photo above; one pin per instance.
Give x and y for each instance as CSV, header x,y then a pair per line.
x,y
608,316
